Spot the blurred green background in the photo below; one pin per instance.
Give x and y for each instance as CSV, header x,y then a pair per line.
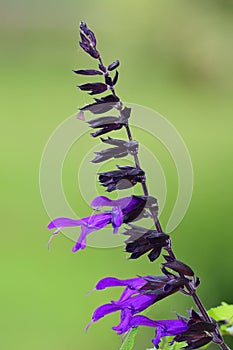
x,y
176,57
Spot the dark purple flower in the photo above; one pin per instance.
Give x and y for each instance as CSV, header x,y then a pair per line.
x,y
133,208
88,41
198,333
94,88
88,72
123,210
125,177
102,105
121,149
142,241
164,328
138,295
177,266
106,124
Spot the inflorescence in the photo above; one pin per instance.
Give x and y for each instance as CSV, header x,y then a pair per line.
x,y
141,292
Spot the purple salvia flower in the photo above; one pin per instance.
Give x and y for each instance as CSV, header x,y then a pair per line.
x,y
164,328
138,295
123,210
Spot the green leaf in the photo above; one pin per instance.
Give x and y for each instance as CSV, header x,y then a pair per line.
x,y
224,312
129,339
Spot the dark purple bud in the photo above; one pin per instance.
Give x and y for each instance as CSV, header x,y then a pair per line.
x,y
115,79
123,178
102,105
139,204
199,343
88,33
95,88
102,121
87,72
88,41
175,284
106,129
114,65
142,240
114,142
107,124
121,150
177,266
88,49
198,333
109,153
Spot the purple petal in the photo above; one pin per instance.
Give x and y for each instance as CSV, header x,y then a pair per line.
x,y
163,327
132,283
117,218
103,201
87,72
123,326
136,303
90,224
103,310
63,222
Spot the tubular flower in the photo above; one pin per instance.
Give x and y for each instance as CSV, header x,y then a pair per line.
x,y
164,328
123,210
138,295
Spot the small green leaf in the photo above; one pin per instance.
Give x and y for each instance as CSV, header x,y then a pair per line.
x,y
224,312
129,339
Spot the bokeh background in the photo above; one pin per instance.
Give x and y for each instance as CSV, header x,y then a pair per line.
x,y
177,59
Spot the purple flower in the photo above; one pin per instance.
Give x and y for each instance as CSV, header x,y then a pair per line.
x,y
164,328
138,295
123,210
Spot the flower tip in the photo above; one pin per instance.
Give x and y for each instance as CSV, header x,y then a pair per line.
x,y
74,249
89,325
91,291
